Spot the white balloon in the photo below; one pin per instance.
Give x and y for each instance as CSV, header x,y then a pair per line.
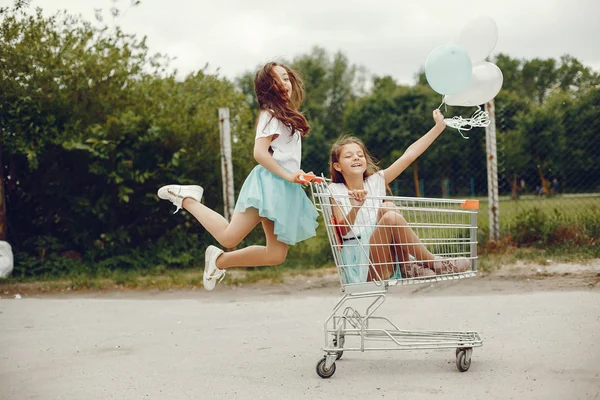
x,y
478,37
486,82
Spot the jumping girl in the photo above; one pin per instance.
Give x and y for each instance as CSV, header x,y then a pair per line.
x,y
271,194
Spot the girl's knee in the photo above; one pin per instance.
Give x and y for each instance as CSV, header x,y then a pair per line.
x,y
392,217
276,257
388,205
229,242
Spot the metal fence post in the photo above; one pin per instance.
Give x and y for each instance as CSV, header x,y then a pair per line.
x,y
226,163
492,172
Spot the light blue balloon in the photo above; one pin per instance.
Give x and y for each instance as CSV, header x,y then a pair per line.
x,y
448,69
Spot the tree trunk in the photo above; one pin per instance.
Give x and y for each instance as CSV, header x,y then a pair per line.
x,y
416,178
514,188
3,223
544,181
444,186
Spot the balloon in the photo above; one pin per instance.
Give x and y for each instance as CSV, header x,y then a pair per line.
x,y
485,85
478,37
448,69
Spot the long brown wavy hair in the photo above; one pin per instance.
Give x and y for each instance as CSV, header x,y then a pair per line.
x,y
336,150
272,96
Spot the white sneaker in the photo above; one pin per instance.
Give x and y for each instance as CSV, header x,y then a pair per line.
x,y
177,193
212,274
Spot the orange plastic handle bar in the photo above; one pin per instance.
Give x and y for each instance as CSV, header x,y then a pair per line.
x,y
307,178
470,204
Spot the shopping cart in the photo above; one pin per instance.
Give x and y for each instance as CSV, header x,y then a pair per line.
x,y
446,228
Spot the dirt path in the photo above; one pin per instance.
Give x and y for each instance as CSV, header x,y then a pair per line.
x,y
540,331
508,279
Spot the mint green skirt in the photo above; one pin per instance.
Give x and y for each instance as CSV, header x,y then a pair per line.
x,y
356,260
283,202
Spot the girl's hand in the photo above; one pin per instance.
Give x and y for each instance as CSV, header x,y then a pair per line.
x,y
358,197
293,177
305,178
438,117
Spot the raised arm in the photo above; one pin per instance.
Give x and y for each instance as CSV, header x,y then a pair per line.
x,y
415,149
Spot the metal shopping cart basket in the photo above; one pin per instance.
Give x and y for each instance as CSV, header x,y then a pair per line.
x,y
446,228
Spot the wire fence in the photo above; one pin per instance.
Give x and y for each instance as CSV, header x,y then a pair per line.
x,y
547,168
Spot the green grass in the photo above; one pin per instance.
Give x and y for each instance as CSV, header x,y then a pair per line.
x,y
186,279
491,257
313,257
572,208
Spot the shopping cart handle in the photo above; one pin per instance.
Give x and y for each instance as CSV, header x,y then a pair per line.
x,y
306,178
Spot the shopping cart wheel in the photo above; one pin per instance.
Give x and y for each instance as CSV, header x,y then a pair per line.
x,y
325,372
463,360
340,353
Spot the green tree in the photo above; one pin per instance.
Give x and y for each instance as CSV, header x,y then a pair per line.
x,y
332,83
535,79
510,109
578,168
92,126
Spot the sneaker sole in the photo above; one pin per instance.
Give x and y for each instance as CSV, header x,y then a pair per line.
x,y
208,256
163,192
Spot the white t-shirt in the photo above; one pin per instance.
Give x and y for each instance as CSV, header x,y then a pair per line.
x,y
287,148
366,219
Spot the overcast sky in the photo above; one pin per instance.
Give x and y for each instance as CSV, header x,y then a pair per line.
x,y
387,37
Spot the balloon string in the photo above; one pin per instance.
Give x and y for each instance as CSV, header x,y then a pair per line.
x,y
479,119
443,103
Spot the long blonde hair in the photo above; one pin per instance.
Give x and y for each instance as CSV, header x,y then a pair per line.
x,y
336,150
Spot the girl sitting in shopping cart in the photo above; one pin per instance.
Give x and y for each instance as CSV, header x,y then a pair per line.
x,y
377,243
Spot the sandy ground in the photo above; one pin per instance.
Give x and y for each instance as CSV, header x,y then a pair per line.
x,y
540,327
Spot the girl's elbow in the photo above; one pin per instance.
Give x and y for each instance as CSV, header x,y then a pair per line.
x,y
257,155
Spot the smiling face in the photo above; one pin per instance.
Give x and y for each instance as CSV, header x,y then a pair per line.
x,y
284,78
351,161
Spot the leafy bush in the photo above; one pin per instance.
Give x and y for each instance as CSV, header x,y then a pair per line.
x,y
534,227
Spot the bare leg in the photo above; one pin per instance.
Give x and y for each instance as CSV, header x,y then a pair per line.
x,y
403,234
393,240
228,234
274,253
383,253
